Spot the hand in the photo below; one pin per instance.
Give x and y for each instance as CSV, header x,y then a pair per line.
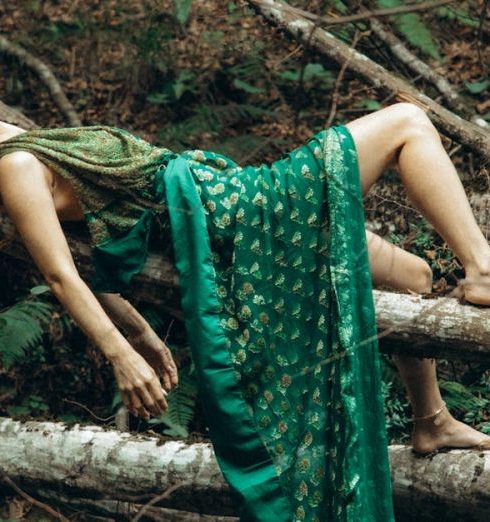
x,y
157,355
140,386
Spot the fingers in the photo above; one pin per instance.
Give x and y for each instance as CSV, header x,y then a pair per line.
x,y
146,398
170,367
158,394
166,381
134,406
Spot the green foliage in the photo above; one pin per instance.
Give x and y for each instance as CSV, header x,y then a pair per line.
x,y
31,405
478,87
371,105
414,29
460,397
210,119
181,404
173,90
395,401
459,15
312,71
182,10
240,84
22,326
397,420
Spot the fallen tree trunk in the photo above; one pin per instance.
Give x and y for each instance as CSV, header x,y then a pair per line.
x,y
465,132
439,327
108,466
451,486
157,284
100,463
15,117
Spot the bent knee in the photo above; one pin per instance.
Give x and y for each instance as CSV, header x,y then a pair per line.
x,y
412,119
421,277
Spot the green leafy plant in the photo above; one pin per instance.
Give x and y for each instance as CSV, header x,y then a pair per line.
x,y
395,402
463,17
210,119
478,87
22,326
414,29
173,90
182,10
181,405
312,71
31,405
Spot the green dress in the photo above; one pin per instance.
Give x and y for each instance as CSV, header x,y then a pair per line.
x,y
276,290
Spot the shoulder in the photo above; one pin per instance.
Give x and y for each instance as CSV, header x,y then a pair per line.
x,y
16,160
21,165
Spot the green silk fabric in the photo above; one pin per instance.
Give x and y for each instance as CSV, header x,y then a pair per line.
x,y
277,299
113,173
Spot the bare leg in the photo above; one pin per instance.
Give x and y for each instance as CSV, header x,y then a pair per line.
x,y
393,266
403,136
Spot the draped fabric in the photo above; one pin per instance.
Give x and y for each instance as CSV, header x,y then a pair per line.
x,y
277,299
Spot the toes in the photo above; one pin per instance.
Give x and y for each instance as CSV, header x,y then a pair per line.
x,y
483,445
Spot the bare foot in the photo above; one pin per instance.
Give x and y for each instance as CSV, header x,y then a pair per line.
x,y
428,437
475,287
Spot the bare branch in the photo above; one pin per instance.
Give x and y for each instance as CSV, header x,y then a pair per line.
x,y
364,15
449,123
399,49
46,76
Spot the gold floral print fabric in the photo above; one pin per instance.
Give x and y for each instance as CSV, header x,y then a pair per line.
x,y
296,309
294,322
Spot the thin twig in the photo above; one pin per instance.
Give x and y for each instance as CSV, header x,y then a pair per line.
x,y
484,65
89,411
32,500
338,81
399,50
156,499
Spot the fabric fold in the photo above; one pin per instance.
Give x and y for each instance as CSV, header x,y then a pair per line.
x,y
239,450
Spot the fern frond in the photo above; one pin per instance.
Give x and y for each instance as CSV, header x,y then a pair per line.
x,y
210,119
458,396
414,29
181,405
21,329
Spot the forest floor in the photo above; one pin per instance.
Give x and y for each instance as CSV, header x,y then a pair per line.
x,y
225,80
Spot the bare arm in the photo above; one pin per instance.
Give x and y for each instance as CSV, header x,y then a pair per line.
x,y
29,203
141,336
122,313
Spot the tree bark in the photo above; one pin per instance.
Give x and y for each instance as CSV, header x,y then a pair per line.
x,y
451,486
15,117
467,133
106,466
101,463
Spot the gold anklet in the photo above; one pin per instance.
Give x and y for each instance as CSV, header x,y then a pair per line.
x,y
435,414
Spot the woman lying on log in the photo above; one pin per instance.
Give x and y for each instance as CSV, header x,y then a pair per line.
x,y
275,276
